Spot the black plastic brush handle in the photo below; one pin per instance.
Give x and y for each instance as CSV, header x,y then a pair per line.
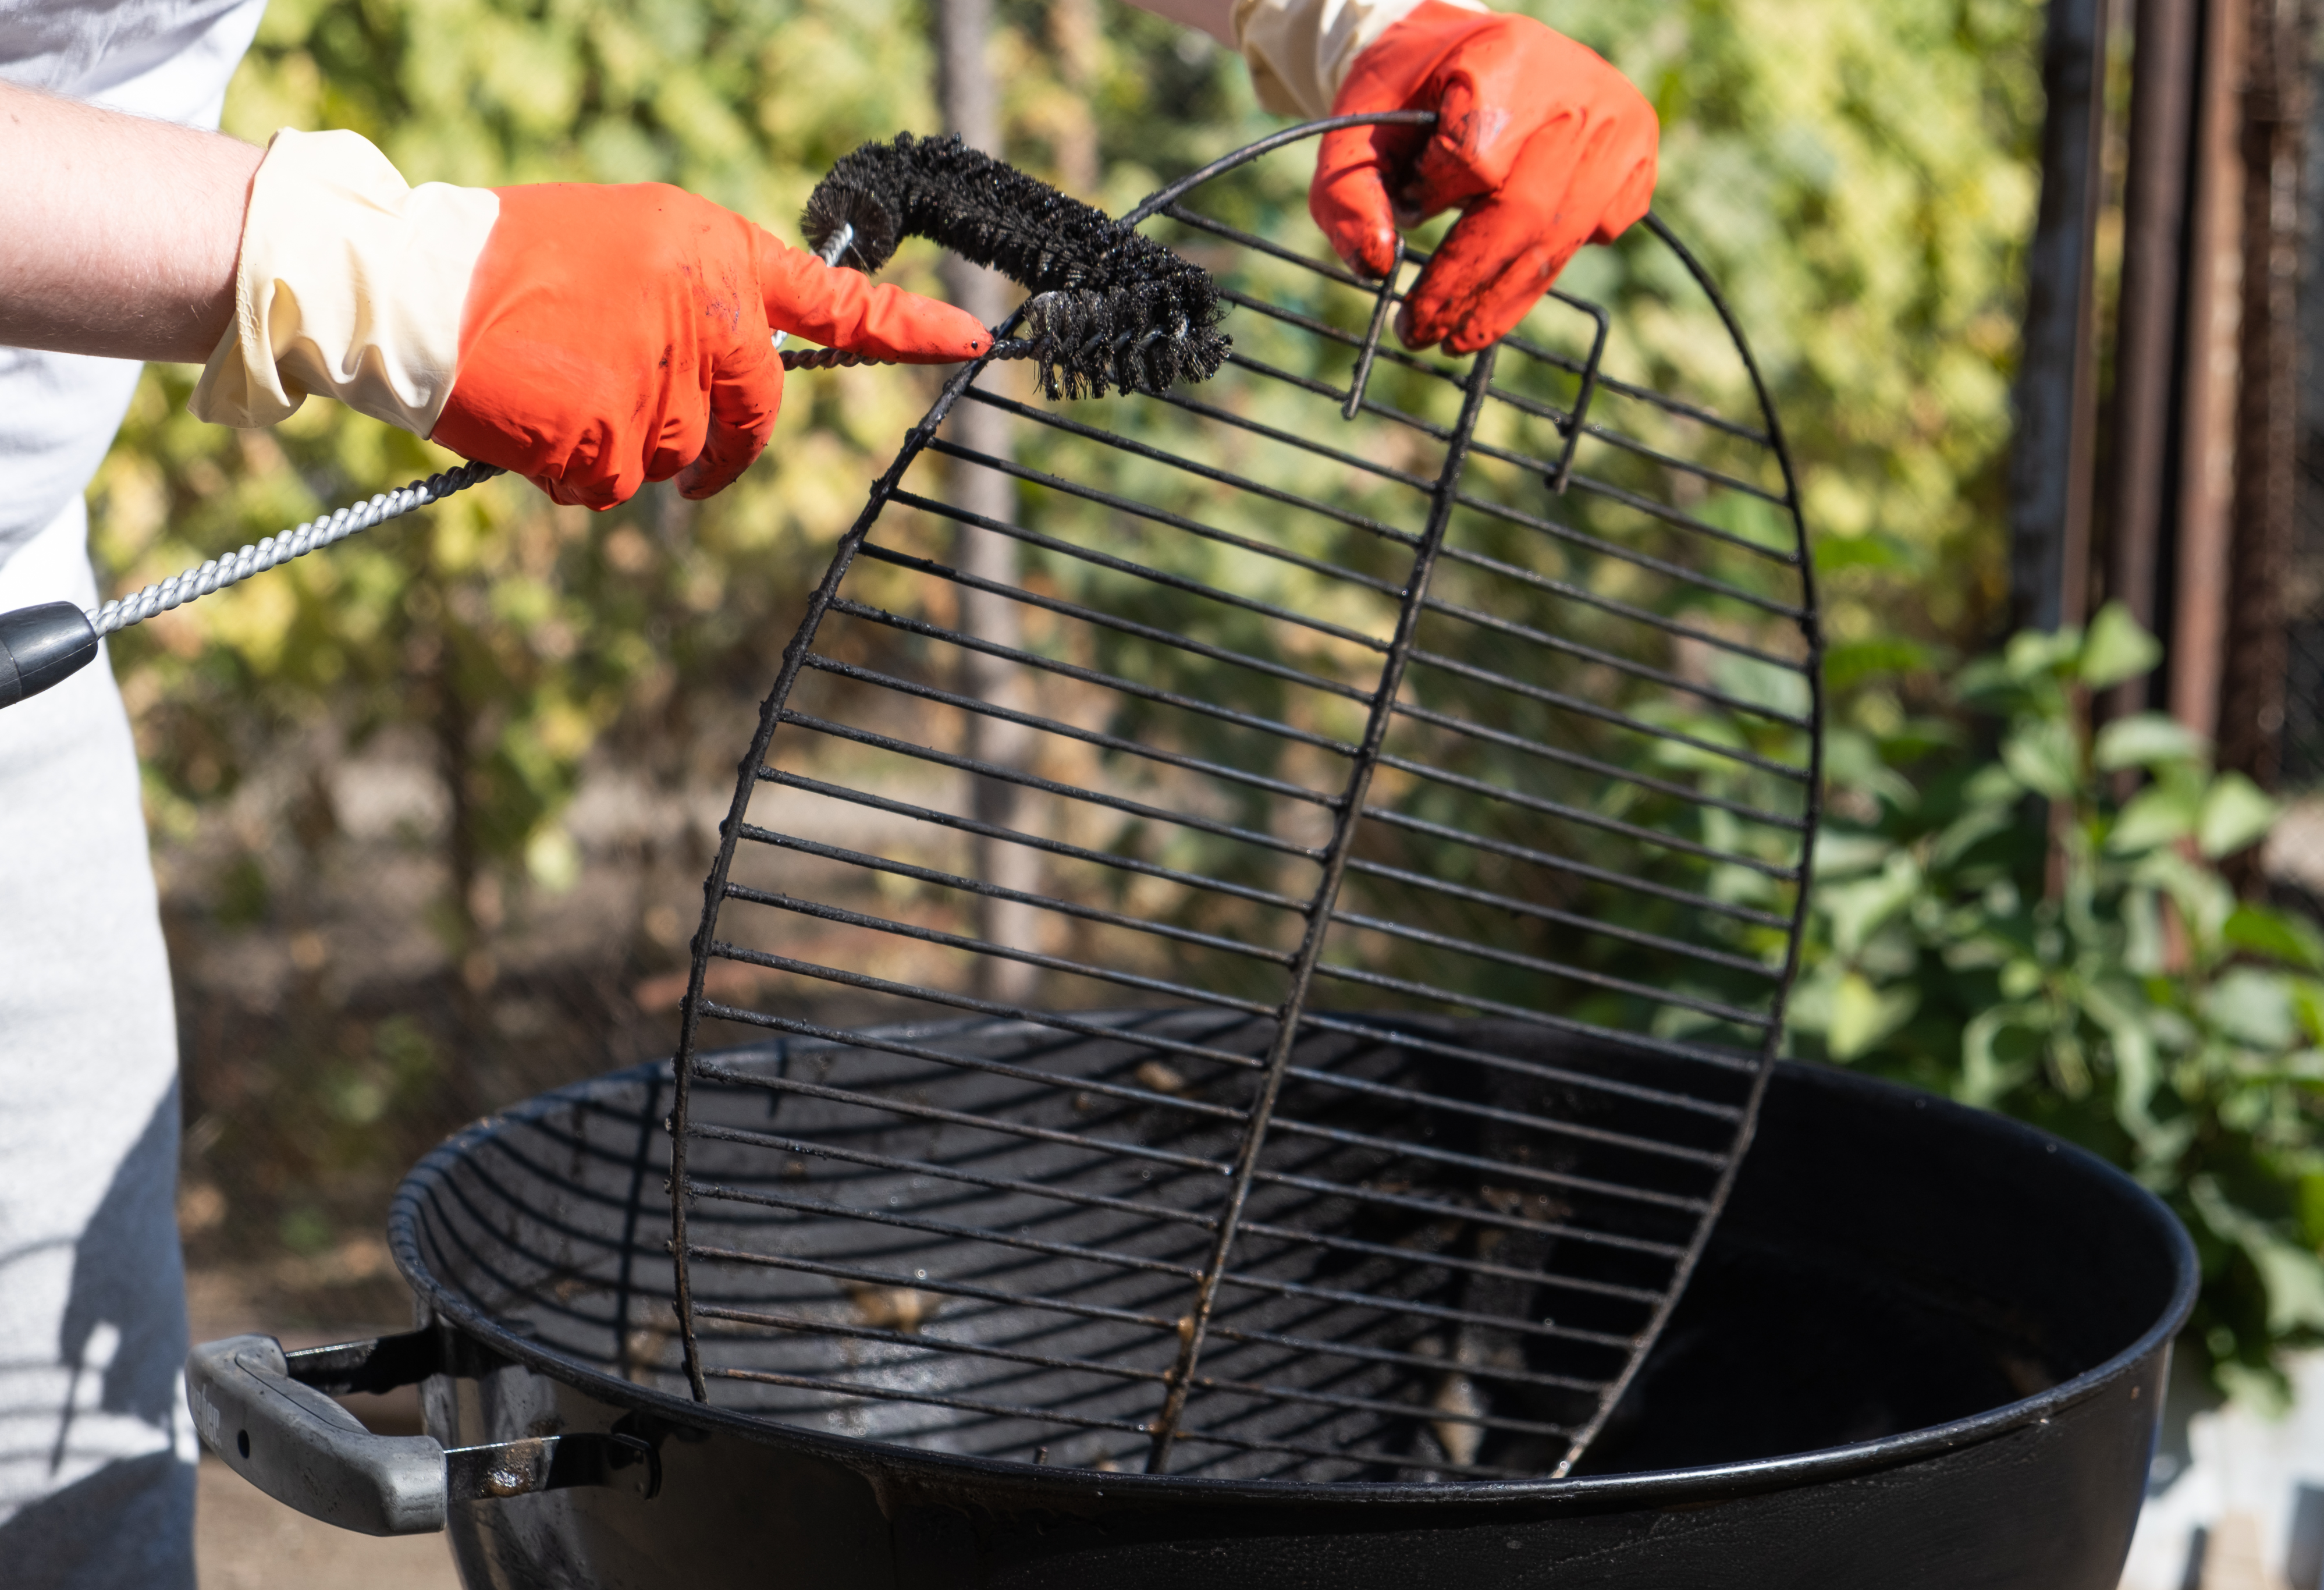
x,y
40,646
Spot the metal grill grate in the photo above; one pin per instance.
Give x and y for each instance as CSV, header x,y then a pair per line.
x,y
1276,900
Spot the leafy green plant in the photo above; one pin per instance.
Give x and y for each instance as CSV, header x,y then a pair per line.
x,y
1861,179
2023,929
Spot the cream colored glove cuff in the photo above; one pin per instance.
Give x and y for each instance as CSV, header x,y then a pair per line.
x,y
350,284
1300,50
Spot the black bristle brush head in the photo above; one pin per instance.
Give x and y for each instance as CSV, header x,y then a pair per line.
x,y
1113,309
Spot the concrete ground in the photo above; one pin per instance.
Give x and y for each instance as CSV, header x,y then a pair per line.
x,y
244,1539
2244,1509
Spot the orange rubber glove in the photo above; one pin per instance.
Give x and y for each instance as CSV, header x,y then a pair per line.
x,y
1542,146
613,336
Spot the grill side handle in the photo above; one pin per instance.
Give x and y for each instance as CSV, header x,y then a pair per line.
x,y
303,1450
270,1420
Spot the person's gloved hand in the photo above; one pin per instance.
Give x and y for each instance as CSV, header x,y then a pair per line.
x,y
617,335
1540,144
591,339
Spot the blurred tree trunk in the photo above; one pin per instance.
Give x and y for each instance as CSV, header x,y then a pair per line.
x,y
437,654
1074,36
2146,348
2211,361
971,107
455,728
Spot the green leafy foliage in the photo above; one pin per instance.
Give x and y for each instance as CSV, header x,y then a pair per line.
x,y
1858,175
2007,928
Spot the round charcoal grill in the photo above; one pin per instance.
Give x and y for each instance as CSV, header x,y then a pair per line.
x,y
1427,748
1256,923
1924,1349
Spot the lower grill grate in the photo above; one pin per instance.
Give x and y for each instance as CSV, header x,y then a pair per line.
x,y
987,1238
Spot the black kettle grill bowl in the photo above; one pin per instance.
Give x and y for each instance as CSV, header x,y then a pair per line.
x,y
1925,1346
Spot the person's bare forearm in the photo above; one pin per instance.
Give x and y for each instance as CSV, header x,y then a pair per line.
x,y
118,236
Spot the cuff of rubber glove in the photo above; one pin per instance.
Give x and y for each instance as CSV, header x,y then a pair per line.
x,y
1301,50
350,285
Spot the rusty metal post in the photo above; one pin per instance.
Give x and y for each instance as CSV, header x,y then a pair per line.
x,y
2164,72
2212,368
2267,435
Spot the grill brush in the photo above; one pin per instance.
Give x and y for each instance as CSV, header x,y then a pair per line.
x,y
1111,307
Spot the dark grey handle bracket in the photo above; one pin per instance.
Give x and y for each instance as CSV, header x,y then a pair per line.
x,y
272,1423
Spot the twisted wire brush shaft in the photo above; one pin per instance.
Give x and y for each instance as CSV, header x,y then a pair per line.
x,y
840,358
236,567
40,646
